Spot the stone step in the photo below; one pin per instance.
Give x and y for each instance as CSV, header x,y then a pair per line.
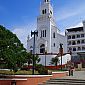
x,y
77,84
70,79
65,82
76,81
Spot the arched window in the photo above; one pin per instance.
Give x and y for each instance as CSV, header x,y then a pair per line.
x,y
41,33
54,44
42,11
46,0
78,42
82,41
45,33
82,35
42,48
74,49
79,48
50,12
54,35
45,11
78,36
69,37
73,43
83,47
73,37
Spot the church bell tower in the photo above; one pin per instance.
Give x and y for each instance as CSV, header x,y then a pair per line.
x,y
46,8
45,22
48,38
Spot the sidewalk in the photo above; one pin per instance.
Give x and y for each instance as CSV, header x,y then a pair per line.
x,y
77,75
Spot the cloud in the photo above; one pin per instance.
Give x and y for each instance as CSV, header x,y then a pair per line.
x,y
67,12
65,16
77,25
63,13
23,31
80,24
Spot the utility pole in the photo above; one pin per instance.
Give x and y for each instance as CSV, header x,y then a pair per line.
x,y
34,33
45,57
61,53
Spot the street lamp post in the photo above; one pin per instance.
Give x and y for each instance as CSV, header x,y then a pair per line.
x,y
34,33
61,53
45,57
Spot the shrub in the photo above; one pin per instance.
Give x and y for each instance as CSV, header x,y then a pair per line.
x,y
41,69
23,72
38,66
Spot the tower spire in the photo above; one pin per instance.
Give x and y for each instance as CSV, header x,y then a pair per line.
x,y
46,8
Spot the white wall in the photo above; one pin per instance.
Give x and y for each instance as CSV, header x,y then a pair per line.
x,y
46,22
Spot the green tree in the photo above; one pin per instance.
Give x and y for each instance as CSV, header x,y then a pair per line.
x,y
12,51
36,59
55,61
30,59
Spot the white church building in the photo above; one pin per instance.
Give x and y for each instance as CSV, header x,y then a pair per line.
x,y
48,38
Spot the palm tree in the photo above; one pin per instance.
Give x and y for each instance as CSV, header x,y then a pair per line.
x,y
30,59
55,61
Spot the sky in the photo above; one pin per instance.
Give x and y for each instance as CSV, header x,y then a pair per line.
x,y
20,16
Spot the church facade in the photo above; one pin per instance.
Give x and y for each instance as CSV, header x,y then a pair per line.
x,y
48,39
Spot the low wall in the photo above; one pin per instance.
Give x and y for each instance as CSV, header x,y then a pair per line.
x,y
30,79
59,74
5,82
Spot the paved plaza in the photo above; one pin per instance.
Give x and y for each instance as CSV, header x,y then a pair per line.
x,y
77,75
78,78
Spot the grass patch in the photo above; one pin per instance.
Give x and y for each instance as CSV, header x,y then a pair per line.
x,y
25,72
3,72
21,72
